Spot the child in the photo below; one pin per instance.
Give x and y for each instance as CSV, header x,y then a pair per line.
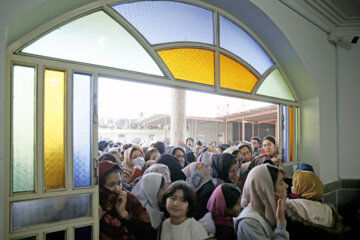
x,y
179,200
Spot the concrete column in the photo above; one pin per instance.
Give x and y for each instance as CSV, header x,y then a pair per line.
x,y
177,118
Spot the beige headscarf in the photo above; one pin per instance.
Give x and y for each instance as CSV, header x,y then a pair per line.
x,y
307,185
259,193
127,165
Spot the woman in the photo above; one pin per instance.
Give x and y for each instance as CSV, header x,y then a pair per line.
x,y
128,166
263,199
225,168
179,154
306,216
174,166
149,192
224,205
151,154
199,176
120,212
271,153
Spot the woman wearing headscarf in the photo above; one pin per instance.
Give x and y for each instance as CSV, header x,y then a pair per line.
x,y
271,153
178,153
174,166
121,213
199,176
149,192
225,168
205,154
224,205
306,216
263,199
129,166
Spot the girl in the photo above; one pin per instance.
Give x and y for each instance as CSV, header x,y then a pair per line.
x,y
224,205
179,200
263,199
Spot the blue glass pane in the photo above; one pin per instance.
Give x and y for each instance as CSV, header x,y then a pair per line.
x,y
82,129
83,233
163,21
49,210
285,132
237,41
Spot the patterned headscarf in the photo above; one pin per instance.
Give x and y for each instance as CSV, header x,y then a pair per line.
x,y
197,174
307,185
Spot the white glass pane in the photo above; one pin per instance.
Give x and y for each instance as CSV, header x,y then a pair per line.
x,y
33,212
23,132
95,39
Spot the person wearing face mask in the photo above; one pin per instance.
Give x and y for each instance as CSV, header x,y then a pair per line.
x,y
263,199
133,163
119,211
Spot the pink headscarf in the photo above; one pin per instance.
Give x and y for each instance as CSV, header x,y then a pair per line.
x,y
259,193
217,206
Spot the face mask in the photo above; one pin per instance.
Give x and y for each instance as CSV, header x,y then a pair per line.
x,y
139,161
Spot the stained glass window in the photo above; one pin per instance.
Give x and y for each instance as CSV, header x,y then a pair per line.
x,y
83,233
48,210
290,133
82,129
165,21
95,39
23,132
237,41
235,76
54,129
189,64
275,86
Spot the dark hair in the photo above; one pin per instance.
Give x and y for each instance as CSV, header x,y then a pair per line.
x,y
231,194
190,157
174,166
109,157
148,154
199,143
256,139
114,169
270,138
127,145
274,173
224,146
189,196
189,138
160,146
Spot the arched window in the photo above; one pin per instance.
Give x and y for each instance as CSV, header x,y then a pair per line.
x,y
54,88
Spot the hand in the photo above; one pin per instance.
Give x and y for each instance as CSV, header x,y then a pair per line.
x,y
280,210
138,166
101,212
276,161
121,205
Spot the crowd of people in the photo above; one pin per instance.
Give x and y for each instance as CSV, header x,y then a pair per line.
x,y
196,191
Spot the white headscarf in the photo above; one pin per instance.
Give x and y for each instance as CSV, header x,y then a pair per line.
x,y
146,192
259,193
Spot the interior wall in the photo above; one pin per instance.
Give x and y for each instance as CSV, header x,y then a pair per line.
x,y
318,57
349,111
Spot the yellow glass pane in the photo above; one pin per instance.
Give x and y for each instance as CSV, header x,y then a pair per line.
x,y
54,129
189,64
235,76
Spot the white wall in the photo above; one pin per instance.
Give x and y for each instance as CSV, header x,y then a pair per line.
x,y
349,111
318,57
